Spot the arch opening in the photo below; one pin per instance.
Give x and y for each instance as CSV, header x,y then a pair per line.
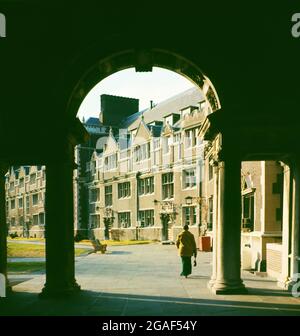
x,y
142,61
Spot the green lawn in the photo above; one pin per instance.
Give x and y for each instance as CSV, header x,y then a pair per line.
x,y
18,250
27,239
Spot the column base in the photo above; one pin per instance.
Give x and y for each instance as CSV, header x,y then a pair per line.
x,y
211,283
222,288
56,291
283,283
294,287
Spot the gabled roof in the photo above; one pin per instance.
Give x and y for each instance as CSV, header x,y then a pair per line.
x,y
131,119
143,133
111,145
172,105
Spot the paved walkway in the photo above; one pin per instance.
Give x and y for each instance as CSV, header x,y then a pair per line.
x,y
144,280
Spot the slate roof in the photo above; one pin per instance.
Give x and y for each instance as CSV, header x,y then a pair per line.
x,y
93,122
172,105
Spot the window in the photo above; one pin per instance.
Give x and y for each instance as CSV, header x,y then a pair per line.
x,y
156,143
124,219
95,194
142,152
190,217
20,201
32,178
21,182
94,221
12,186
189,178
146,217
12,204
194,136
123,189
167,186
21,221
177,138
188,138
27,202
42,218
210,171
35,199
146,186
166,144
191,137
210,213
35,219
248,212
110,162
13,221
108,195
93,167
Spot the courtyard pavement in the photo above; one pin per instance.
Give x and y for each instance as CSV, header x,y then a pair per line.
x,y
144,280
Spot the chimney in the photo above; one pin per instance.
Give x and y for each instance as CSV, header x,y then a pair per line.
x,y
151,104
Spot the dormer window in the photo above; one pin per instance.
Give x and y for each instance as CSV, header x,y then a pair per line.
x,y
188,111
32,178
172,119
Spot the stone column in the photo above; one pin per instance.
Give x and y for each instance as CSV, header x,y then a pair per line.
x,y
3,226
60,273
286,226
215,227
228,276
295,234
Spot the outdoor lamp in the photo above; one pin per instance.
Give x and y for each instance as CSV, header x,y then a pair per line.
x,y
188,200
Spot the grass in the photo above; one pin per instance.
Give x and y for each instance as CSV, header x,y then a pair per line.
x,y
25,267
118,242
18,250
27,239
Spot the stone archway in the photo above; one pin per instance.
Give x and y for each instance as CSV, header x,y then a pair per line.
x,y
143,61
226,268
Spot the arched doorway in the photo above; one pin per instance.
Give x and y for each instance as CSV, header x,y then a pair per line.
x,y
227,280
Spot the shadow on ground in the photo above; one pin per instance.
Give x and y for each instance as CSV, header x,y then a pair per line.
x,y
92,303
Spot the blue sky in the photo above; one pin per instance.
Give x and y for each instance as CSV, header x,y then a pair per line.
x,y
158,85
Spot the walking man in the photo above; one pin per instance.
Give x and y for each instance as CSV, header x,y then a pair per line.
x,y
186,244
